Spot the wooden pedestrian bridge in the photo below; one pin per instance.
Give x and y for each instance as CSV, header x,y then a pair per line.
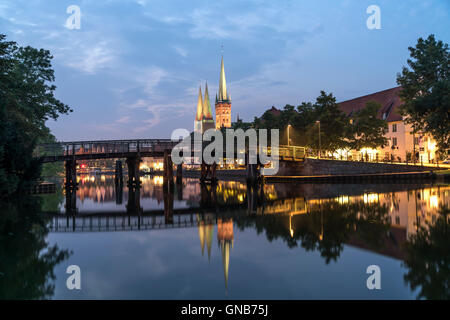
x,y
133,150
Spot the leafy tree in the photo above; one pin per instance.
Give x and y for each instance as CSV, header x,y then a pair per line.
x,y
27,101
428,259
368,130
334,124
426,89
27,260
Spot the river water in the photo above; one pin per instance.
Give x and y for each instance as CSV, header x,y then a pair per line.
x,y
230,241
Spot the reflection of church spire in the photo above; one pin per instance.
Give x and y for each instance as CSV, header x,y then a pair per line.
x,y
199,113
205,234
201,233
225,237
209,235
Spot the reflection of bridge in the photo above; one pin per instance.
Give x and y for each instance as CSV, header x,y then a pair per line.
x,y
134,150
254,202
118,222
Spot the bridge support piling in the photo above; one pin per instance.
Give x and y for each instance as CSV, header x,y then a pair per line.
x,y
253,171
118,175
134,201
133,172
208,195
179,173
71,200
180,191
119,191
71,173
168,168
168,206
208,172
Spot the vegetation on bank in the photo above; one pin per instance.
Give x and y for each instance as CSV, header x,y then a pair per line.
x,y
426,96
27,101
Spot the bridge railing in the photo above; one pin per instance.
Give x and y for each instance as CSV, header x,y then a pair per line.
x,y
103,147
293,153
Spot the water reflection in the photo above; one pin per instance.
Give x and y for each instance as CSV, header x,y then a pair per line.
x,y
27,261
428,258
404,222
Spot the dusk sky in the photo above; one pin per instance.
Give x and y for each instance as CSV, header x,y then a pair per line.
x,y
134,67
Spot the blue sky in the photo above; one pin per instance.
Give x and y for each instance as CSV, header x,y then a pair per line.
x,y
134,67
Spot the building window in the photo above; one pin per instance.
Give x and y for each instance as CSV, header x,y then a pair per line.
x,y
397,220
394,127
394,141
416,140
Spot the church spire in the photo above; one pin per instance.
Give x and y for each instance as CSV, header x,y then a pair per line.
x,y
207,113
199,114
223,96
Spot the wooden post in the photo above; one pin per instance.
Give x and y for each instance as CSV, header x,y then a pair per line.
x,y
133,172
168,206
71,172
134,200
213,172
203,172
118,176
179,173
168,167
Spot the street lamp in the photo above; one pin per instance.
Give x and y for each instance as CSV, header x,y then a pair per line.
x,y
320,145
288,137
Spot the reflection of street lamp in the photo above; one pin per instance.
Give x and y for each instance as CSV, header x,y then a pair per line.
x,y
290,226
320,145
288,136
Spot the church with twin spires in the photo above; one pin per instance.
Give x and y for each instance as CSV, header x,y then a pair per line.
x,y
203,118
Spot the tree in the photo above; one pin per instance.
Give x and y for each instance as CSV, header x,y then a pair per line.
x,y
334,125
427,258
426,89
368,130
27,101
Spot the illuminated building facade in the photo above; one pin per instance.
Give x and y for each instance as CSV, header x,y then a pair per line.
x,y
402,143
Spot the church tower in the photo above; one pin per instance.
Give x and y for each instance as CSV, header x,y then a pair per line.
x,y
199,114
223,102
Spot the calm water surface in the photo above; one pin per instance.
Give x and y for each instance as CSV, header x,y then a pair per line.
x,y
280,241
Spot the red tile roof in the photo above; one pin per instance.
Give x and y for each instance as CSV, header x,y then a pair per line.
x,y
275,111
389,100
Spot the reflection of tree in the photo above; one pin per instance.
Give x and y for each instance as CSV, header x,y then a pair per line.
x,y
428,258
326,227
26,259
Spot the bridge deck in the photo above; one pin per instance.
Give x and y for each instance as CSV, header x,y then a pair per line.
x,y
110,149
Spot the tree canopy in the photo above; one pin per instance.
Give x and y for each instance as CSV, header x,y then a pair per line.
x,y
27,101
426,89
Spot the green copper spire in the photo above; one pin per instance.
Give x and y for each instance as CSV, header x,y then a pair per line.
x,y
207,113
